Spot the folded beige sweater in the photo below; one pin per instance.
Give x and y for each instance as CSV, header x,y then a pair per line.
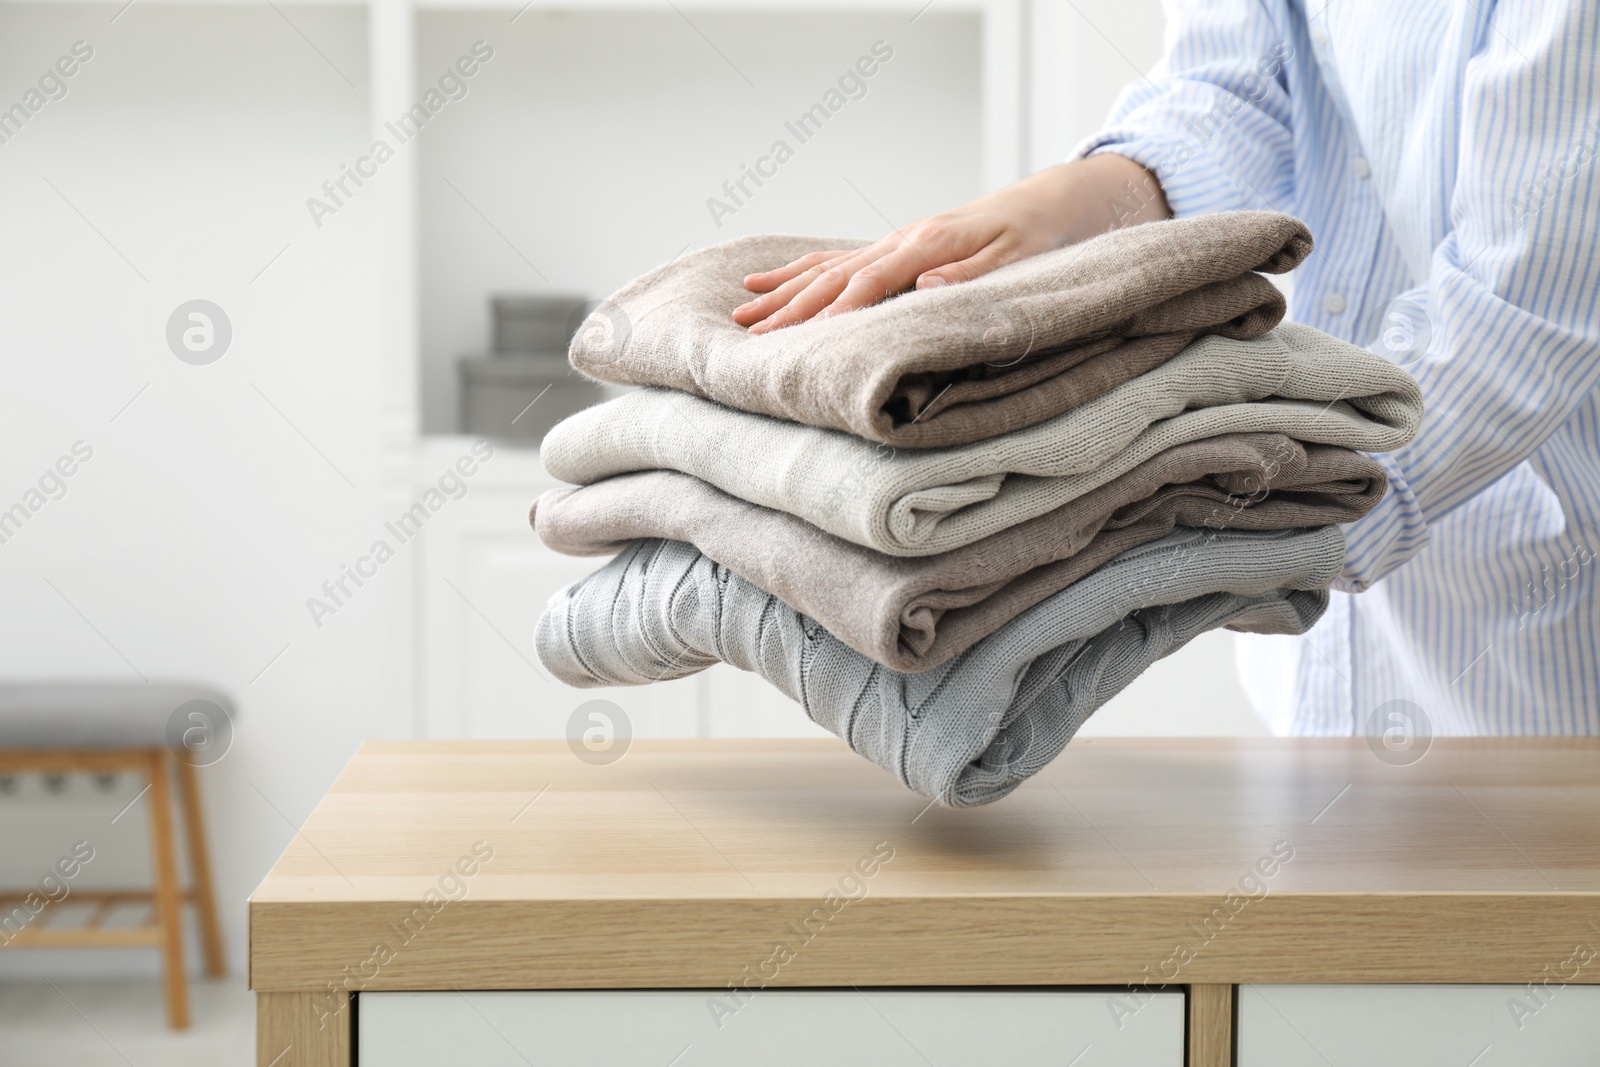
x,y
913,614
958,363
1294,380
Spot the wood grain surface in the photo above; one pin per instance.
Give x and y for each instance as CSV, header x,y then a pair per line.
x,y
300,1030
1210,1037
501,865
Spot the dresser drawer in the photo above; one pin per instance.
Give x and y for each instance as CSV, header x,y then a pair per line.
x,y
778,1028
1406,1026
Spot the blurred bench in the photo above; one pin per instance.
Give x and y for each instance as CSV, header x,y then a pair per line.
x,y
159,732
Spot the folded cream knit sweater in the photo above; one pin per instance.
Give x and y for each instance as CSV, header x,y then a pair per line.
x,y
915,613
1294,380
958,363
973,729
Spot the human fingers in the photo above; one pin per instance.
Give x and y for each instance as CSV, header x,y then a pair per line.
x,y
877,281
932,251
817,293
767,280
991,257
753,311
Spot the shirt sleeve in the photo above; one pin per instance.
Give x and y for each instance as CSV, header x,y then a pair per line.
x,y
1212,119
1510,302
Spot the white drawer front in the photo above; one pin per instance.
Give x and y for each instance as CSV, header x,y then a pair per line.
x,y
1417,1026
787,1028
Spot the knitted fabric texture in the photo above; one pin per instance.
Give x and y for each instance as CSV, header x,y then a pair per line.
x,y
1294,380
915,613
959,363
969,731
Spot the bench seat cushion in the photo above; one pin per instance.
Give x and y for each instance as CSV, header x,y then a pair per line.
x,y
89,714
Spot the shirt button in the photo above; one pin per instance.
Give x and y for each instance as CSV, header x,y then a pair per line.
x,y
1363,168
1319,35
1333,303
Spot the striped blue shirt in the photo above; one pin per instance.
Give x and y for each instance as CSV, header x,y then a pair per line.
x,y
1444,155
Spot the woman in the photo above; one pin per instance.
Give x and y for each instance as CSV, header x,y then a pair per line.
x,y
1443,153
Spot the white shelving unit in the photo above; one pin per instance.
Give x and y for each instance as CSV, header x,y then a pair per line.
x,y
481,578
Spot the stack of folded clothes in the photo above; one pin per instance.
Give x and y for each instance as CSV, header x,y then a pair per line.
x,y
954,524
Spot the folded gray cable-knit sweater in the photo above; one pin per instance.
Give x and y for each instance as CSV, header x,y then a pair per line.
x,y
958,363
915,613
968,731
1294,380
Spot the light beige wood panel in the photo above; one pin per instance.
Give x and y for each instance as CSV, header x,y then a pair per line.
x,y
1185,861
1210,1026
303,1030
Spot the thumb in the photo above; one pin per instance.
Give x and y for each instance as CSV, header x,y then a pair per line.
x,y
964,270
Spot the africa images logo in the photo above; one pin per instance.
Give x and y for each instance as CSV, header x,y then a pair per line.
x,y
1399,732
198,332
599,732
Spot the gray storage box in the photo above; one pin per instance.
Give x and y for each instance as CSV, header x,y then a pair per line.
x,y
496,391
543,323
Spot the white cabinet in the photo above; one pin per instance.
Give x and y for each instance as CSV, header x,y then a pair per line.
x,y
775,1028
482,581
1419,1026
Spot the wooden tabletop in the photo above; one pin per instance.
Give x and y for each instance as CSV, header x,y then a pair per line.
x,y
496,865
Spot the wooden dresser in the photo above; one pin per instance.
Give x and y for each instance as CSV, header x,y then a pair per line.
x,y
1154,902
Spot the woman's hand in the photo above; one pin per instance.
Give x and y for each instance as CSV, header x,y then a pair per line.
x,y
1055,207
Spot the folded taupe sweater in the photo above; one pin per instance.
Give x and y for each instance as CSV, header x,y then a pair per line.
x,y
968,731
958,363
915,613
1294,380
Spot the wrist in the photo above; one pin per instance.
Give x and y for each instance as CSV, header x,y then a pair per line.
x,y
1108,192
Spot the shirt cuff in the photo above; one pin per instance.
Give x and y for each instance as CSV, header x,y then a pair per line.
x,y
1191,179
1385,537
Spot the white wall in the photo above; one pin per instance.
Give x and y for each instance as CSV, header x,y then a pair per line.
x,y
187,545
1084,52
220,497
592,141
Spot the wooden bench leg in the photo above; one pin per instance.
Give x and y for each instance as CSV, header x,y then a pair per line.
x,y
304,1030
1210,1026
205,900
168,896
